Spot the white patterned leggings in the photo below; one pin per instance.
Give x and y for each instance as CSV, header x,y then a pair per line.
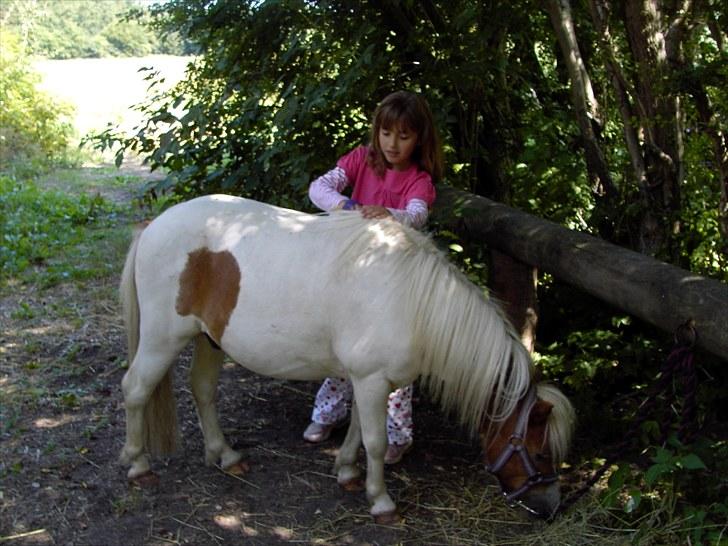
x,y
334,399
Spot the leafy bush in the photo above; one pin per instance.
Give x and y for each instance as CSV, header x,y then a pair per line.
x,y
88,28
261,114
34,129
661,499
668,491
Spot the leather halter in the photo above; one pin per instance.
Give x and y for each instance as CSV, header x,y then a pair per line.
x,y
517,446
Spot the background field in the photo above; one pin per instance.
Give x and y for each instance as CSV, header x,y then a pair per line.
x,y
104,90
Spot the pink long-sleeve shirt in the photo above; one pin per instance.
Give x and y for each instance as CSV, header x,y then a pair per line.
x,y
407,194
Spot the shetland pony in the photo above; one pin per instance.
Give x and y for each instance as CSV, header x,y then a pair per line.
x,y
299,296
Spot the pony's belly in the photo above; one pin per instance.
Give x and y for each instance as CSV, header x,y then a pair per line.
x,y
292,369
284,356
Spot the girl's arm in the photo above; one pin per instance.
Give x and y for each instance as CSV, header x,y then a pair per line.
x,y
325,191
414,215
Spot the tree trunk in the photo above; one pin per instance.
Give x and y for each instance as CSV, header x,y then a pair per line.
x,y
599,10
654,48
586,110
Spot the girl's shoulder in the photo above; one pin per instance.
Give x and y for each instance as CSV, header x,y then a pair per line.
x,y
358,154
355,162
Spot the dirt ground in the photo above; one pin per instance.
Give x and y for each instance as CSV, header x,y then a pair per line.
x,y
62,484
62,357
66,487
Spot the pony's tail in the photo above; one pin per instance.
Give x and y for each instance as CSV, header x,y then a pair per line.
x,y
160,412
160,418
129,300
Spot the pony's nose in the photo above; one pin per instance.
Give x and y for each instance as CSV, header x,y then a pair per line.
x,y
543,501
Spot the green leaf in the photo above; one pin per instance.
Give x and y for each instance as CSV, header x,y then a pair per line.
x,y
634,500
692,462
654,472
662,456
619,477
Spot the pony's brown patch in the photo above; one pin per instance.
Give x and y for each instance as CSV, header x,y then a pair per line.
x,y
209,288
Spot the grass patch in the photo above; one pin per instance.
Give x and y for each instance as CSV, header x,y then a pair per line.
x,y
50,237
61,245
92,178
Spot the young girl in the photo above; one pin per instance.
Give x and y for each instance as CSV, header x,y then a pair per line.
x,y
393,176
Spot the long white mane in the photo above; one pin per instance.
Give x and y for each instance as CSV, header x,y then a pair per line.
x,y
469,355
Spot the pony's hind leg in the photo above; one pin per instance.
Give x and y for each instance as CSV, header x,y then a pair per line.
x,y
148,382
204,374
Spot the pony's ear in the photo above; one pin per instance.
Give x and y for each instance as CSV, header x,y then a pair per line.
x,y
540,412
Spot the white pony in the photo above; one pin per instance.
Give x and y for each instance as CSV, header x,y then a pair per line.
x,y
298,296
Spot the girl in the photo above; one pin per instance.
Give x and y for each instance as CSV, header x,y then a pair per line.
x,y
393,176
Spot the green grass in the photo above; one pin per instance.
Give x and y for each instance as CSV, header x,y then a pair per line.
x,y
49,236
62,244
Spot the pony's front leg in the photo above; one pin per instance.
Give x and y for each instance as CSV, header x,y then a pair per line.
x,y
204,375
371,397
347,471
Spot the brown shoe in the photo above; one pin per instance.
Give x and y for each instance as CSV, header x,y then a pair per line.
x,y
395,452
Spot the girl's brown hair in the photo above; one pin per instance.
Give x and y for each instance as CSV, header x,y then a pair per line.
x,y
412,112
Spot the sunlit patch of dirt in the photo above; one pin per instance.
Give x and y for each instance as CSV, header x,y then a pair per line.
x,y
53,422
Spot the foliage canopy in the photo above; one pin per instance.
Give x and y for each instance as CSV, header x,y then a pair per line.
x,y
264,112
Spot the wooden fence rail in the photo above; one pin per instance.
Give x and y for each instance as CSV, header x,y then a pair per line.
x,y
659,293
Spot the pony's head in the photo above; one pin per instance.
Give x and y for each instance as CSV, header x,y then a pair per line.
x,y
526,449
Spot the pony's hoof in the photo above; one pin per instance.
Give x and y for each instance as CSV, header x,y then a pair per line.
x,y
388,518
145,481
354,485
238,469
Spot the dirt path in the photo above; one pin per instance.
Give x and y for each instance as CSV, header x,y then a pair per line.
x,y
62,359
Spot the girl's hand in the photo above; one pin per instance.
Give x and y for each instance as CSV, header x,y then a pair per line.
x,y
347,204
375,212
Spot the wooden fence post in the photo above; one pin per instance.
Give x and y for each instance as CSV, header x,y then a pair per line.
x,y
514,284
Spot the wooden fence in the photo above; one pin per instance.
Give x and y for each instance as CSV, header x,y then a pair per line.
x,y
659,293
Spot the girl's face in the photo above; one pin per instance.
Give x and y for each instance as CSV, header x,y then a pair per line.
x,y
397,144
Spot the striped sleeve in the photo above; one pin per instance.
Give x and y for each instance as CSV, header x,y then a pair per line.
x,y
325,191
414,215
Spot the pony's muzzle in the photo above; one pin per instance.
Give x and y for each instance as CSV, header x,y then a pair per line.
x,y
541,501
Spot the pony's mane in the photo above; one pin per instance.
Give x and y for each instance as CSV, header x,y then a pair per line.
x,y
560,425
469,355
